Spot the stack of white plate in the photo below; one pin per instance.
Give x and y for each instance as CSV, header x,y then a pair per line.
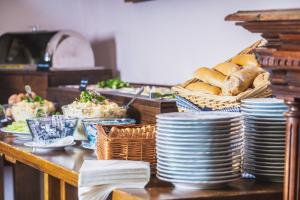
x,y
264,138
199,149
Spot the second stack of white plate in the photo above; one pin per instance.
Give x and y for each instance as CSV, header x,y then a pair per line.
x,y
264,138
200,149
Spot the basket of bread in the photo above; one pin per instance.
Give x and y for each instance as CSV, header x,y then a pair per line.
x,y
225,85
127,142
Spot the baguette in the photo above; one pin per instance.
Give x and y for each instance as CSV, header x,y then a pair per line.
x,y
203,87
210,76
261,79
240,81
227,68
245,60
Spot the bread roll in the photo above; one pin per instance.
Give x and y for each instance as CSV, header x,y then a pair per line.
x,y
261,79
210,76
245,60
203,87
240,81
227,68
12,99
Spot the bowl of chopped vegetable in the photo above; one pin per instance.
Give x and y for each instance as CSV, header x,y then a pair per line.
x,y
92,105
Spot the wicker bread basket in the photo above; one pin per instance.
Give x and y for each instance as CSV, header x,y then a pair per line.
x,y
216,102
127,142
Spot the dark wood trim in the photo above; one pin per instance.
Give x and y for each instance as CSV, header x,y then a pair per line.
x,y
1,177
27,182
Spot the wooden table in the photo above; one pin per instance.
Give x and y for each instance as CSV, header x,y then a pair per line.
x,y
54,174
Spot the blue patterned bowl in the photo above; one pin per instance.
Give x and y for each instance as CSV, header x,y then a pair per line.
x,y
47,130
90,126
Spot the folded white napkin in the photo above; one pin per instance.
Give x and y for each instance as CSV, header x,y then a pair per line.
x,y
98,178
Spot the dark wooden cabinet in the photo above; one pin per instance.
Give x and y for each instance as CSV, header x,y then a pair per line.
x,y
14,81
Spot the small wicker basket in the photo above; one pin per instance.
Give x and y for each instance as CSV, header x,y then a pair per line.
x,y
127,142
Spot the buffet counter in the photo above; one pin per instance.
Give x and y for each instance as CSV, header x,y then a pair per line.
x,y
60,169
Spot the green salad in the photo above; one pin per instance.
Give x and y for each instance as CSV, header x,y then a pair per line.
x,y
114,83
90,96
18,126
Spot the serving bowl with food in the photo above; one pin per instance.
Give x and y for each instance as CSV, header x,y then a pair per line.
x,y
92,105
21,107
55,131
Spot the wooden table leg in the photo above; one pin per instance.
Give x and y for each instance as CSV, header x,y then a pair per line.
x,y
51,188
67,191
27,183
1,177
291,190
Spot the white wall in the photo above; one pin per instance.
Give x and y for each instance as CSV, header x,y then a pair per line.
x,y
160,41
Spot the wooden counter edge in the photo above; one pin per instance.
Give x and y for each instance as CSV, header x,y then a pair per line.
x,y
121,195
69,176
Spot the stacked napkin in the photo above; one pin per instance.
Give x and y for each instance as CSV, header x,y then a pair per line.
x,y
97,178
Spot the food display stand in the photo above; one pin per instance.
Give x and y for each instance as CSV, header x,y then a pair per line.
x,y
281,56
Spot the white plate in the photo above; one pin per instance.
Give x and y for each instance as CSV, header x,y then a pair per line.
x,y
197,161
265,170
204,130
198,143
199,157
263,158
263,101
266,136
265,173
269,118
258,122
264,139
259,150
212,127
253,152
200,170
200,123
39,146
282,132
264,147
199,116
199,165
197,140
264,127
16,133
265,115
199,178
196,184
253,165
197,148
266,110
267,143
199,174
168,151
258,106
264,163
198,136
